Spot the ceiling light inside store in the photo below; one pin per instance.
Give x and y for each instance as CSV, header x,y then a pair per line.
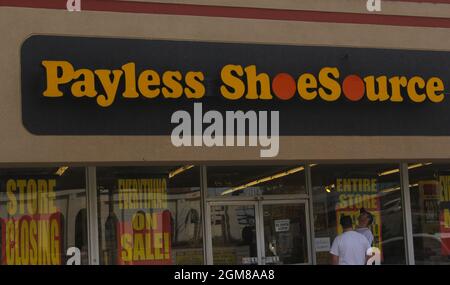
x,y
61,170
329,188
262,180
179,170
389,190
388,172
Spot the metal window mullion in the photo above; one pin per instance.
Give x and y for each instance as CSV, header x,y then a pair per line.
x,y
207,241
407,216
312,247
92,216
260,239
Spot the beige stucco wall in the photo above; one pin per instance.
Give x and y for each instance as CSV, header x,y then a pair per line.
x,y
17,146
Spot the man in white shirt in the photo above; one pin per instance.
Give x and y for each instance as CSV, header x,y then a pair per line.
x,y
365,219
350,247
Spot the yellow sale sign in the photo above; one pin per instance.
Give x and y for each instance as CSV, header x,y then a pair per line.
x,y
357,193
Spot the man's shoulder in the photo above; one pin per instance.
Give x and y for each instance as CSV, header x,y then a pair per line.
x,y
355,235
364,231
338,237
363,239
350,235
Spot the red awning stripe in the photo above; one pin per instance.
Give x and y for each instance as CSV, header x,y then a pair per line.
x,y
238,12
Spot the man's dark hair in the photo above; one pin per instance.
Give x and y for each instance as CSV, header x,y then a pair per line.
x,y
346,222
368,214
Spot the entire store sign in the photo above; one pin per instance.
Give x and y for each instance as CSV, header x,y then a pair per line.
x,y
357,193
208,94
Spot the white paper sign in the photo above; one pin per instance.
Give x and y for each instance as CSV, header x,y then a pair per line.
x,y
282,225
322,244
249,260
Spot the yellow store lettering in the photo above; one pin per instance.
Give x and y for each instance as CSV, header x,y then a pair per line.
x,y
32,241
149,83
142,193
145,240
30,196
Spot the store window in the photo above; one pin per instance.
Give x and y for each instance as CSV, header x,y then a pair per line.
x,y
345,189
429,186
242,181
150,215
39,215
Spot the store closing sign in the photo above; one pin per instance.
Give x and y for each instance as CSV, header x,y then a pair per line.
x,y
104,86
32,233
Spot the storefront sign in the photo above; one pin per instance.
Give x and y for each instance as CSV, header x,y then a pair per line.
x,y
101,86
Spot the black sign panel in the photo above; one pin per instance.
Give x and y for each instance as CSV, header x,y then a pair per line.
x,y
71,115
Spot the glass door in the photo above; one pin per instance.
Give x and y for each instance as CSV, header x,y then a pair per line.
x,y
285,234
259,232
234,232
